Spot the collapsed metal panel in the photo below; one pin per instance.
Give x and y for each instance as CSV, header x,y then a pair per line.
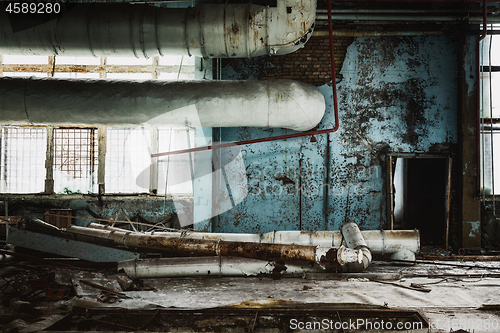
x,y
67,247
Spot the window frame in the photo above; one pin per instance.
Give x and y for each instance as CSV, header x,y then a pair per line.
x,y
487,122
101,143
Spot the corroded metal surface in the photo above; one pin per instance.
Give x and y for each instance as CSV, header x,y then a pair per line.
x,y
178,246
379,241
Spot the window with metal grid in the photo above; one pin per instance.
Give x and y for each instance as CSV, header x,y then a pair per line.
x,y
75,160
22,160
490,115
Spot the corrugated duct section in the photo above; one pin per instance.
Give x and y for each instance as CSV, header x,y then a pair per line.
x,y
210,30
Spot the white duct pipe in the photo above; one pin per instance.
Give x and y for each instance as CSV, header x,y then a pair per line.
x,y
210,30
354,240
210,266
276,103
379,241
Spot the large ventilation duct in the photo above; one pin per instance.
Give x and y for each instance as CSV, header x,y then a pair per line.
x,y
276,103
144,31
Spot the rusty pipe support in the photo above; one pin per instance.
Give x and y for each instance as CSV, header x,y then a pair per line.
x,y
327,257
354,240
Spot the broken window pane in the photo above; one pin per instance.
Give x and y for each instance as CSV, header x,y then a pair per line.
x,y
75,160
22,168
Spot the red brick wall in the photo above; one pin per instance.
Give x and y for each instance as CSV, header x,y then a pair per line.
x,y
310,64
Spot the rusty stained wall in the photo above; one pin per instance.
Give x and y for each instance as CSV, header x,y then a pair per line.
x,y
398,94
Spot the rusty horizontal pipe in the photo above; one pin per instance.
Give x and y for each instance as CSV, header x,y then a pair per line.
x,y
379,241
327,257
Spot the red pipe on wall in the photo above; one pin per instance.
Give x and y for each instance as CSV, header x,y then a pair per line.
x,y
280,137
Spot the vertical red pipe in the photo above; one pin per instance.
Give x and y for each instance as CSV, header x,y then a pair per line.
x,y
478,125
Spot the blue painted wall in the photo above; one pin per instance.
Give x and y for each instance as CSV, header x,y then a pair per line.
x,y
398,94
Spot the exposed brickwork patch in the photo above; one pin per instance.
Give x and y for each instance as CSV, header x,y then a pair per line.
x,y
310,64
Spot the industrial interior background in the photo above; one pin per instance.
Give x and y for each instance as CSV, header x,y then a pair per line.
x,y
228,121
407,77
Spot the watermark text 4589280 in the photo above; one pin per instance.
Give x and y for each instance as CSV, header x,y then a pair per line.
x,y
33,8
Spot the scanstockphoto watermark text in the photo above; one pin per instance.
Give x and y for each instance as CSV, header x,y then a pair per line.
x,y
370,324
310,181
354,324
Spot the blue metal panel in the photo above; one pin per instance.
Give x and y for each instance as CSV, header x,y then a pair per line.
x,y
67,247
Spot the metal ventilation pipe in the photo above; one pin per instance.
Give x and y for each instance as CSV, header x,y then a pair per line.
x,y
210,30
276,103
354,240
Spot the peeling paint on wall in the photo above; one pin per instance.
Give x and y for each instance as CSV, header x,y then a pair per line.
x,y
397,94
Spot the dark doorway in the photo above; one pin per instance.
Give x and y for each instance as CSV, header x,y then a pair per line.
x,y
421,197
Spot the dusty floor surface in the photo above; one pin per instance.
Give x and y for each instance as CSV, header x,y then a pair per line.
x,y
459,296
